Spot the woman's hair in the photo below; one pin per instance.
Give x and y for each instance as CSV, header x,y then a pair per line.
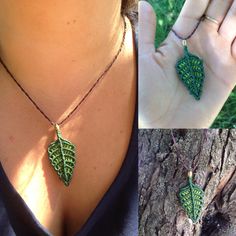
x,y
128,5
130,9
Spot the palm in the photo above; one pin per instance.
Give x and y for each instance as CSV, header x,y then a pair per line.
x,y
167,101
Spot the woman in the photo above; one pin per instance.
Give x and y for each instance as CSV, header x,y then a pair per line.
x,y
56,51
164,101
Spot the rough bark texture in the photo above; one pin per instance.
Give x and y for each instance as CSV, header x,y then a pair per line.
x,y
161,174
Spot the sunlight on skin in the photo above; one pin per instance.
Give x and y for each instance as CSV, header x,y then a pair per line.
x,y
30,165
34,180
37,199
30,182
129,42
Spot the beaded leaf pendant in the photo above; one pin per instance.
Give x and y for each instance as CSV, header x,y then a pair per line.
x,y
62,157
190,71
192,199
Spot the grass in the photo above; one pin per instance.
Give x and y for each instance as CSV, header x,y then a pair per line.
x,y
167,12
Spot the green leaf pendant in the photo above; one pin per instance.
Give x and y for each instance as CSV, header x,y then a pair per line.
x,y
62,157
192,199
190,71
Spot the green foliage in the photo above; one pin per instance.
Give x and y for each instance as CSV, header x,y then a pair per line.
x,y
227,116
191,198
191,72
62,157
167,12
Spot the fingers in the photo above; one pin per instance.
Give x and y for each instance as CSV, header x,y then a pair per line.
x,y
228,26
192,11
217,10
147,27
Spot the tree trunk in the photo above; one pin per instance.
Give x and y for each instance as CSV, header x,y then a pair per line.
x,y
161,174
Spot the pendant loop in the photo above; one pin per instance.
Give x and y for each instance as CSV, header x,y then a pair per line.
x,y
190,174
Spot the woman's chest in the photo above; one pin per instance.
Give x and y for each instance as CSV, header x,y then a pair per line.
x,y
56,206
100,132
101,138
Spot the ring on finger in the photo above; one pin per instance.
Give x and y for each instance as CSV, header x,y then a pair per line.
x,y
211,19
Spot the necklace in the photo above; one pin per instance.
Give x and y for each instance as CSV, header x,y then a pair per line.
x,y
61,152
189,68
191,196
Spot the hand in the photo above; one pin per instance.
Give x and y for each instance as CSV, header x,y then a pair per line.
x,y
164,102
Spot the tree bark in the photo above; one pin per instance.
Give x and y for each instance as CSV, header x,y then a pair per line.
x,y
161,174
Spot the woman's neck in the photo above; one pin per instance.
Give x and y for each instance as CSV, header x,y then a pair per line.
x,y
44,41
89,25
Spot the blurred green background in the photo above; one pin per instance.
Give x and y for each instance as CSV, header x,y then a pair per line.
x,y
167,11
